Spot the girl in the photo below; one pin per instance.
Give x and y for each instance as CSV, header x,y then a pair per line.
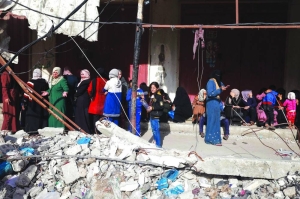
x,y
198,106
290,105
156,110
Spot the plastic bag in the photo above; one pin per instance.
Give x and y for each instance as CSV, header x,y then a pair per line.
x,y
27,151
171,174
171,114
84,140
5,169
174,191
162,183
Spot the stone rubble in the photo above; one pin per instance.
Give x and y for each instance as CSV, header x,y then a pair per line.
x,y
110,167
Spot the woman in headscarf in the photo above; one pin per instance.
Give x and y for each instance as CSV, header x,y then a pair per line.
x,y
81,96
97,96
233,105
249,111
214,87
113,92
182,106
198,106
36,116
57,92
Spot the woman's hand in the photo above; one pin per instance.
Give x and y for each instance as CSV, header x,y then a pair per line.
x,y
7,101
149,109
65,94
236,107
45,93
246,107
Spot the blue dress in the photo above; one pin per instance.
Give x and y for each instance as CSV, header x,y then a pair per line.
x,y
213,113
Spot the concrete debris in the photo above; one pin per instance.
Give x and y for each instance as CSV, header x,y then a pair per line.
x,y
119,167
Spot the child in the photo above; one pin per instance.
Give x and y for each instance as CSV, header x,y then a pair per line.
x,y
198,106
156,110
113,91
290,104
140,95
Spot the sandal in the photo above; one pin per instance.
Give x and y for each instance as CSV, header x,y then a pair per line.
x,y
202,135
225,137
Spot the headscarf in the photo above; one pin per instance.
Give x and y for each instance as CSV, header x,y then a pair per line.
x,y
245,94
216,74
54,81
86,75
37,74
236,93
67,71
291,95
201,95
113,73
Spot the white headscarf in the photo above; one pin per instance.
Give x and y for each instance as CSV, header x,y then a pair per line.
x,y
201,95
85,76
291,96
54,81
37,74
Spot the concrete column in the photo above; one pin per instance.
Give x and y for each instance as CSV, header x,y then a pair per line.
x,y
45,62
292,61
164,45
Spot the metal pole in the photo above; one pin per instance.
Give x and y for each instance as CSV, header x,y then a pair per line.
x,y
223,26
237,11
135,71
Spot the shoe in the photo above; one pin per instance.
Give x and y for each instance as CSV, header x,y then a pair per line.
x,y
225,137
218,144
202,135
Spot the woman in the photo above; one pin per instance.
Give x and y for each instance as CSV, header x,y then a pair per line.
x,y
233,104
72,82
57,92
82,118
36,116
156,110
113,92
182,106
97,96
214,87
198,106
249,111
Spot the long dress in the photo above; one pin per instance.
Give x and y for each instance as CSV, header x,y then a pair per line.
x,y
36,116
11,111
213,113
82,118
183,106
57,100
72,82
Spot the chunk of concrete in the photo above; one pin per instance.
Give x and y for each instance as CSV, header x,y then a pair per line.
x,y
50,131
255,184
26,177
129,186
73,150
290,192
70,172
19,165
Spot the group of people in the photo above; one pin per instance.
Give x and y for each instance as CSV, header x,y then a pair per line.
x,y
270,109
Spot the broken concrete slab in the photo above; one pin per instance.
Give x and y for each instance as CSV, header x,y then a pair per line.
x,y
70,172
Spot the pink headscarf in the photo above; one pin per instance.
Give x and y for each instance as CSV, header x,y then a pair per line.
x,y
84,74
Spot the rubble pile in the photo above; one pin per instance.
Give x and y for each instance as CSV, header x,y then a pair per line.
x,y
78,166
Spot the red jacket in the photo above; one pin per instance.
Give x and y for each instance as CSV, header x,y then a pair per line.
x,y
97,101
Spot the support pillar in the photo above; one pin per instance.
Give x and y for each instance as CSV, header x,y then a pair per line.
x,y
164,46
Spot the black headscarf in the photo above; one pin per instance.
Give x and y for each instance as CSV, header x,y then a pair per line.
x,y
183,105
216,74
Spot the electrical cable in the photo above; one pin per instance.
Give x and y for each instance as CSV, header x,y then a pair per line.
x,y
45,35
